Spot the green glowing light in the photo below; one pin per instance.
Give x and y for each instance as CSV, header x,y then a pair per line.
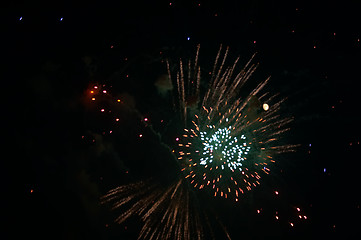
x,y
223,150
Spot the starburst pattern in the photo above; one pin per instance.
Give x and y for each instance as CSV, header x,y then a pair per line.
x,y
232,139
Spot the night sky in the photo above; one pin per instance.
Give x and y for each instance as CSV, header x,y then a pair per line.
x,y
62,152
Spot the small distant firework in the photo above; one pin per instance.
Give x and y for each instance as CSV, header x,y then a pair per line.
x,y
231,139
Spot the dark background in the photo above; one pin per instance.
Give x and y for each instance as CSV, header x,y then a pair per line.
x,y
53,173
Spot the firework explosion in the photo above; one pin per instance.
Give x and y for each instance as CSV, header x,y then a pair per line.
x,y
232,140
229,145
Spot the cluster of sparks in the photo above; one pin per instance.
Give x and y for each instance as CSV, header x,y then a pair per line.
x,y
232,139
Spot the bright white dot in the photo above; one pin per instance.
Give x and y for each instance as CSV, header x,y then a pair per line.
x,y
265,106
61,19
140,135
21,18
145,119
188,38
177,139
324,170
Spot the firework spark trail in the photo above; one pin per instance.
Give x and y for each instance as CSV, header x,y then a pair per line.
x,y
165,211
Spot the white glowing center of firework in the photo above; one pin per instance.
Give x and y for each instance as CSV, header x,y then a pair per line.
x,y
223,150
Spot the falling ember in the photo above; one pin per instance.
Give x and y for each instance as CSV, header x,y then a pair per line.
x,y
265,106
